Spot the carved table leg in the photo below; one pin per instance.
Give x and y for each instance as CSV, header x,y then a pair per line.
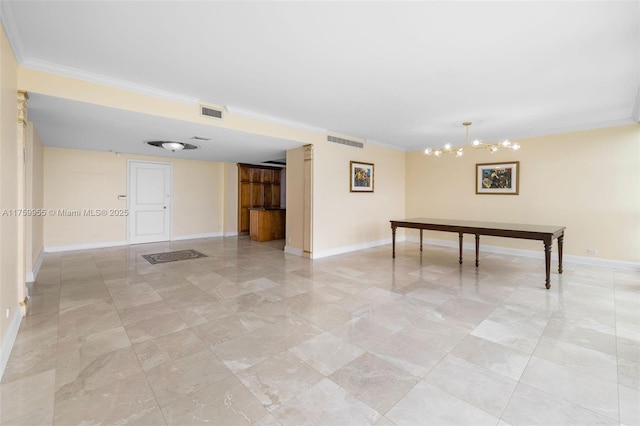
x,y
460,244
477,249
560,241
547,262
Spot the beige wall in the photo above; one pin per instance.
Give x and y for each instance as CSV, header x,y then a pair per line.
x,y
35,197
230,199
10,275
198,198
344,219
69,88
295,200
587,181
77,180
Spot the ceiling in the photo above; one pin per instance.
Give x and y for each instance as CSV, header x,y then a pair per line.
x,y
402,74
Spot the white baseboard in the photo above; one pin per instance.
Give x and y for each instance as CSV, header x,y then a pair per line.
x,y
353,247
73,247
293,250
231,234
31,276
9,340
536,254
196,236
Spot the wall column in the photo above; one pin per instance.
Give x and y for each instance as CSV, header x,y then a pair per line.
x,y
23,292
307,233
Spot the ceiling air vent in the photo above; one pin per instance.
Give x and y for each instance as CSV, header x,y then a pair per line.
x,y
343,141
210,112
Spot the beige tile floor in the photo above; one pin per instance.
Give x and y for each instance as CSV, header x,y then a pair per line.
x,y
250,335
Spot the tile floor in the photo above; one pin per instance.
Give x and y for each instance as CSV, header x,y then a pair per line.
x,y
250,335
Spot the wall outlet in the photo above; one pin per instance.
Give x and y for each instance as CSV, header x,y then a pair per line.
x,y
592,251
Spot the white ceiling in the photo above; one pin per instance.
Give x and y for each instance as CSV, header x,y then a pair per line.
x,y
404,74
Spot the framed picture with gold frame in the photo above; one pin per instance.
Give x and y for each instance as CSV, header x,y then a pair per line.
x,y
498,178
361,179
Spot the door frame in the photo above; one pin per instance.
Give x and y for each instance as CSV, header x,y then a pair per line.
x,y
129,217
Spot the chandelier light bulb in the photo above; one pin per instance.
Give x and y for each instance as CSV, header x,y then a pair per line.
x,y
447,146
506,143
515,147
428,151
437,152
476,142
459,152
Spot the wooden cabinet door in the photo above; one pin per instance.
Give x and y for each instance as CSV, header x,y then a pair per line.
x,y
256,199
268,197
245,203
275,195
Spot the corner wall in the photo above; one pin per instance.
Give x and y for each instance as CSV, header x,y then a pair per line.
x,y
295,201
34,198
588,181
344,221
230,199
10,275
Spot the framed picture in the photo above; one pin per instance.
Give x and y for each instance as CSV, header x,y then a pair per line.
x,y
361,177
498,178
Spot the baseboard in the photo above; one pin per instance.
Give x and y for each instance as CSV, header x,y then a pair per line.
x,y
196,236
89,246
31,276
536,254
353,247
231,234
9,340
293,250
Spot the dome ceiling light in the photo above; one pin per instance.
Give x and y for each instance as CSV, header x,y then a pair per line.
x,y
172,145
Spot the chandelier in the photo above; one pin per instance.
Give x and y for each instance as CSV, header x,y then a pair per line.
x,y
459,150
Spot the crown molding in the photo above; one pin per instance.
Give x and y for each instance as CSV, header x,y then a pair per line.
x,y
271,119
581,127
116,83
384,145
8,19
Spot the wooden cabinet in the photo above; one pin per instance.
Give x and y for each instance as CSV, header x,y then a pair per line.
x,y
267,224
258,187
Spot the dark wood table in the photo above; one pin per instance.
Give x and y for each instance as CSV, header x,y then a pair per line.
x,y
546,234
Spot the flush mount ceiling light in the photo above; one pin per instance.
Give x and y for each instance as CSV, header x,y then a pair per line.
x,y
172,145
477,144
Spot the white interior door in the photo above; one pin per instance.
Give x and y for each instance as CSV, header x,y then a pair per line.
x,y
149,202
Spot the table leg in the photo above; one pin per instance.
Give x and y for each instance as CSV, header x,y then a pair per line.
x,y
421,240
547,262
477,249
460,245
393,242
560,242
